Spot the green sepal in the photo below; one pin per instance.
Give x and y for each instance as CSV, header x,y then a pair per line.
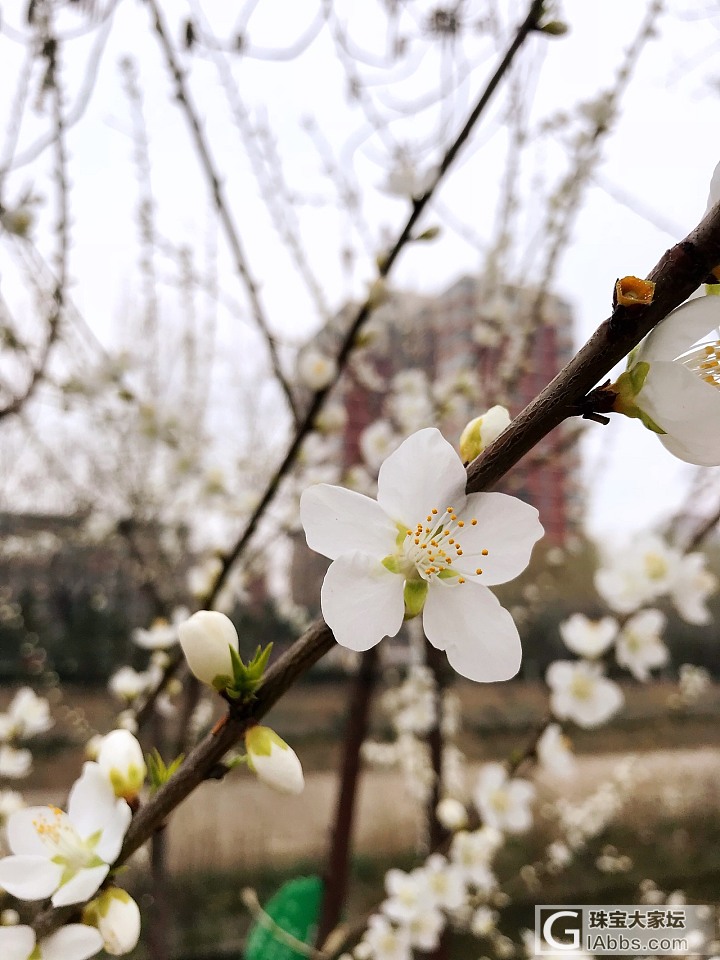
x,y
414,596
627,386
158,771
638,374
391,563
402,535
712,289
259,740
448,574
247,677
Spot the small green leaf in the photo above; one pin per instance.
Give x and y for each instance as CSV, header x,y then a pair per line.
x,y
158,771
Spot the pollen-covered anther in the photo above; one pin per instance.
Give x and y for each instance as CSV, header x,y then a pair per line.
x,y
484,552
473,522
478,571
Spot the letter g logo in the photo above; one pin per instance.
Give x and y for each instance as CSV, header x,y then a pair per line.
x,y
569,930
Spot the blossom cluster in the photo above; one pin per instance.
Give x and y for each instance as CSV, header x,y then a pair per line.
x,y
68,857
455,889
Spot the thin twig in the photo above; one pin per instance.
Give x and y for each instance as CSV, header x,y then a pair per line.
x,y
220,201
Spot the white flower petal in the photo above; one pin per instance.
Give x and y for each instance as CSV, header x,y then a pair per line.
x,y
92,802
478,635
361,601
680,330
76,941
338,521
16,943
93,807
28,877
424,472
506,527
82,886
22,834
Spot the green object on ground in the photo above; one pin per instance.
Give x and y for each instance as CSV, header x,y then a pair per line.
x,y
295,908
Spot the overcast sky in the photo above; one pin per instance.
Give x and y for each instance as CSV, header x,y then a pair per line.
x,y
650,190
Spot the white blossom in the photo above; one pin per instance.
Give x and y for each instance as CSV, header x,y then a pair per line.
x,y
316,369
410,552
581,693
76,941
408,896
383,941
377,442
66,855
691,587
588,638
472,852
127,684
27,716
161,634
444,882
673,378
502,802
639,573
639,647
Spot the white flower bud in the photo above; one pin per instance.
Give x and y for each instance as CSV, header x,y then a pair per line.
x,y
274,762
451,814
481,432
206,639
117,918
121,759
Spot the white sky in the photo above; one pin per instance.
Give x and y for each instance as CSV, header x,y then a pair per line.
x,y
660,156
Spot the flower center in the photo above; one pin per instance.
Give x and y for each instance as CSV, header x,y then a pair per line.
x,y
500,801
656,566
434,545
705,362
68,848
582,687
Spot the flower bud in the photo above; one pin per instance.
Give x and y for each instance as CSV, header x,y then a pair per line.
x,y
481,432
117,918
451,814
206,639
120,758
274,762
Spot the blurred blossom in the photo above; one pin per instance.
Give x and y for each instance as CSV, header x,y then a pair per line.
x,y
640,648
581,692
588,638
